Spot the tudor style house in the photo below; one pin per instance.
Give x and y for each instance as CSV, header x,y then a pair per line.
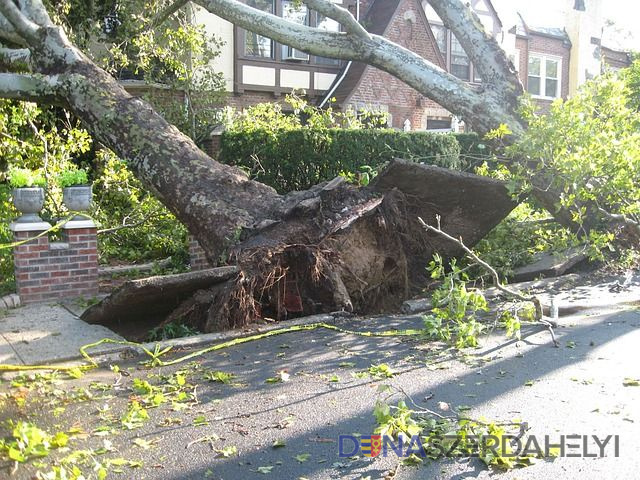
x,y
552,62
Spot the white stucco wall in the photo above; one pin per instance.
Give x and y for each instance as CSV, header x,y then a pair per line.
x,y
222,30
581,28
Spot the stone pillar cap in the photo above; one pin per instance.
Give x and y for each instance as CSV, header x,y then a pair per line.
x,y
72,224
29,226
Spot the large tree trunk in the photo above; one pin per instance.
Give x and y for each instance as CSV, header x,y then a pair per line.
x,y
216,202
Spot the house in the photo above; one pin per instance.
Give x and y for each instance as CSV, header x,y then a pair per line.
x,y
551,61
542,57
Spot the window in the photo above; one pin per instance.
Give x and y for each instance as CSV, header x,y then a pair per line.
x,y
441,38
330,25
438,124
295,13
543,79
256,45
460,65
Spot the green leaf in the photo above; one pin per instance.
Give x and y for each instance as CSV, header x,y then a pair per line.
x,y
200,421
303,457
228,451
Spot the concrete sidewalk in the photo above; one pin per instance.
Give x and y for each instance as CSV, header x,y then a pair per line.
x,y
46,333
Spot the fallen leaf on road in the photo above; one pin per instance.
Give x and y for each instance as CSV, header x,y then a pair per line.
x,y
303,457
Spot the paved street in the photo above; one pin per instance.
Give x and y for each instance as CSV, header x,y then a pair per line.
x,y
575,389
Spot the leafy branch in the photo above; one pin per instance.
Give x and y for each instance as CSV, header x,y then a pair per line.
x,y
539,317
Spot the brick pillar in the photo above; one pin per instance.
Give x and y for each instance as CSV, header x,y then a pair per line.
x,y
197,258
53,270
31,261
212,144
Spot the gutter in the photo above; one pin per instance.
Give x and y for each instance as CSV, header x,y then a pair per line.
x,y
337,83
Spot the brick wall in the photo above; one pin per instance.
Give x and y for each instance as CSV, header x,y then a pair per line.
x,y
197,258
52,270
615,59
544,45
409,29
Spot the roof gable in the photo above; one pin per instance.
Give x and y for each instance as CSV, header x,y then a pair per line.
x,y
382,19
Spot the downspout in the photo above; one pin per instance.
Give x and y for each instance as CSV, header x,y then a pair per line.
x,y
337,83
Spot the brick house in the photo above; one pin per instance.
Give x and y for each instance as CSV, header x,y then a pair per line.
x,y
363,87
542,58
260,70
552,62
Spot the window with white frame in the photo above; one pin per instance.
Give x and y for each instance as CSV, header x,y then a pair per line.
x,y
543,77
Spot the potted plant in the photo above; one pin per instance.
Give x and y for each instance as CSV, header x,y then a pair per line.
x,y
28,193
76,191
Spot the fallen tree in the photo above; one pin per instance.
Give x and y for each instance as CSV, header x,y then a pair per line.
x,y
329,248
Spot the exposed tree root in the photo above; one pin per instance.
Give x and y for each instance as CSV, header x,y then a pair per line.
x,y
337,247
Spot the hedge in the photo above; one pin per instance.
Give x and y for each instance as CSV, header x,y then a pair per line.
x,y
298,159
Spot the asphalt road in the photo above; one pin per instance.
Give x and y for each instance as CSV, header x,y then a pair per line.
x,y
575,389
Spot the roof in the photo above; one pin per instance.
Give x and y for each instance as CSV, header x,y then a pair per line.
x,y
523,29
494,12
377,20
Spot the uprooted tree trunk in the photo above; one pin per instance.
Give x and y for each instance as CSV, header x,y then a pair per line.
x,y
338,247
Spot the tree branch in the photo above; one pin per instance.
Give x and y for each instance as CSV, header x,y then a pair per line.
x,y
24,27
36,12
496,278
308,39
8,33
31,88
484,110
340,15
167,12
483,50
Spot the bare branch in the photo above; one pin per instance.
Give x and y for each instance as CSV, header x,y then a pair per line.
x,y
31,88
24,27
167,12
8,33
142,221
483,50
36,12
340,15
302,37
496,278
484,110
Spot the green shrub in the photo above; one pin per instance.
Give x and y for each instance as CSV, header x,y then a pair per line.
x,y
72,178
120,199
24,177
297,159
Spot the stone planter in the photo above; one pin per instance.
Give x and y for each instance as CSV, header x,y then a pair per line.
x,y
77,199
29,201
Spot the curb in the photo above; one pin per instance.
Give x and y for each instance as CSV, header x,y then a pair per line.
x,y
126,352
